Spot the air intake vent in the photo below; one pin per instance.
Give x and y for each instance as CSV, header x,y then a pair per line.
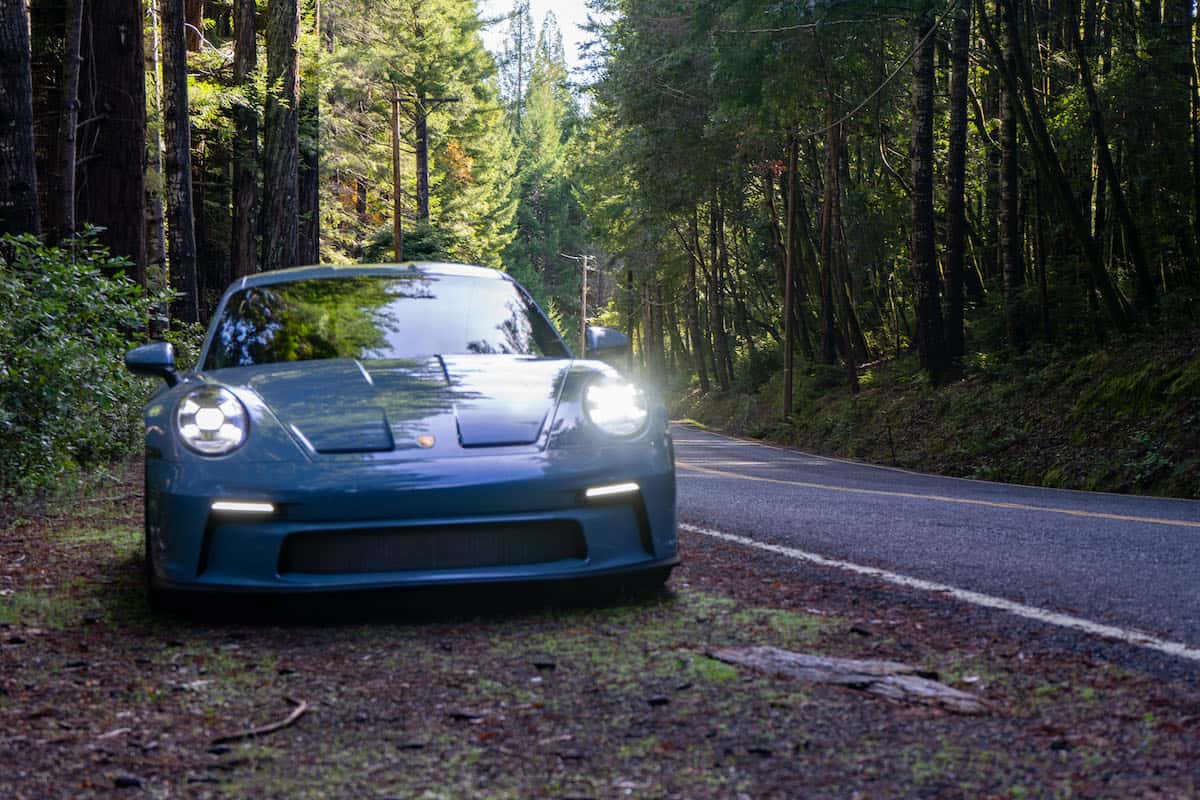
x,y
433,548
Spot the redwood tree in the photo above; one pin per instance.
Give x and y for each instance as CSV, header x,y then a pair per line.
x,y
244,253
181,234
956,161
18,175
281,137
112,151
930,343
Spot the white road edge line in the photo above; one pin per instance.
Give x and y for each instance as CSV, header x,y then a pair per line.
x,y
1125,635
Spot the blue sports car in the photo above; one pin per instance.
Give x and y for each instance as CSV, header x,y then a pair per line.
x,y
381,426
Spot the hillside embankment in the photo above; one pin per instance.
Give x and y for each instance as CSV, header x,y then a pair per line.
x,y
1121,418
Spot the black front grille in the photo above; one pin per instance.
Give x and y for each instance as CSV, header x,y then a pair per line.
x,y
443,547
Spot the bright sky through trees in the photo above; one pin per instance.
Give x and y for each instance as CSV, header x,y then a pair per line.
x,y
571,14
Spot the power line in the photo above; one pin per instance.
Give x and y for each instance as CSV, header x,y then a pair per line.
x,y
845,117
808,26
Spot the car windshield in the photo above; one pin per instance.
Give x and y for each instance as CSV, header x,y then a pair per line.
x,y
368,317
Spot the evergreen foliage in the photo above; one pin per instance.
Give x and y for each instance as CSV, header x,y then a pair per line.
x,y
66,401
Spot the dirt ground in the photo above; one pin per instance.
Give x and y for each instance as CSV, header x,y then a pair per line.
x,y
538,693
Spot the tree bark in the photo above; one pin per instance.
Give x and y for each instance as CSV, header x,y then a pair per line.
x,y
1012,264
715,300
693,307
956,163
829,197
421,129
360,212
789,261
18,173
61,199
244,250
181,233
310,158
193,12
281,130
112,186
156,229
930,344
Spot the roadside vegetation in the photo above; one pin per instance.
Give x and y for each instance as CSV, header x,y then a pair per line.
x,y
550,694
1119,418
68,407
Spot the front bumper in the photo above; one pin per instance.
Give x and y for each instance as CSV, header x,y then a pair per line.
x,y
194,548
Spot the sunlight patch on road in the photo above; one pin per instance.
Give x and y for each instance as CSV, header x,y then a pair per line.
x,y
966,501
1126,635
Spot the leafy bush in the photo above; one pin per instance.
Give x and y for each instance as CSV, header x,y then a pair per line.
x,y
67,316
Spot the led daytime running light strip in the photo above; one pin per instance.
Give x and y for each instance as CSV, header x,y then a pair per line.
x,y
242,507
612,490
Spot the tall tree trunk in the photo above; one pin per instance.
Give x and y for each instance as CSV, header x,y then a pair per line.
x,y
1194,82
930,344
1012,248
726,288
956,164
181,233
193,11
693,306
18,173
62,197
829,197
804,264
421,128
156,229
112,185
715,299
310,152
281,131
360,212
244,250
789,260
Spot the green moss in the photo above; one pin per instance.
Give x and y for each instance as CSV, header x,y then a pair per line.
x,y
1187,385
1142,391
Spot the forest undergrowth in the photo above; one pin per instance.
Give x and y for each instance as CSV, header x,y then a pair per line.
x,y
1120,418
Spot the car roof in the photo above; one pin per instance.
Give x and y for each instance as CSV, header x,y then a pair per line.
x,y
346,270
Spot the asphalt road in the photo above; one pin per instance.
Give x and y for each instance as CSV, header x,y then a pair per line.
x,y
1119,560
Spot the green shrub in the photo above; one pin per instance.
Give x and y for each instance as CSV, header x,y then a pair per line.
x,y
67,404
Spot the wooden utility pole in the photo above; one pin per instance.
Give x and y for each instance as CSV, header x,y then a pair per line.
x,y
582,301
583,309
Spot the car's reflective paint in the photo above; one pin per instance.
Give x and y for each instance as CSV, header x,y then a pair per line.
x,y
342,444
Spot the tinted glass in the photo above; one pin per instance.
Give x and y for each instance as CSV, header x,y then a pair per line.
x,y
379,317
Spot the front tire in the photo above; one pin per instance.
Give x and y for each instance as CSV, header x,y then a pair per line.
x,y
156,598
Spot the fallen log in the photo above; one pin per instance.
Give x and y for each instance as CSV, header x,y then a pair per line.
x,y
890,679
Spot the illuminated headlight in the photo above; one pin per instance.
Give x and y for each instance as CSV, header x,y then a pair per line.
x,y
210,420
615,406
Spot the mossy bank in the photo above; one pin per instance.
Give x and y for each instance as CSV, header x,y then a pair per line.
x,y
1122,418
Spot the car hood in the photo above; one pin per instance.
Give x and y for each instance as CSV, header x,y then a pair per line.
x,y
437,403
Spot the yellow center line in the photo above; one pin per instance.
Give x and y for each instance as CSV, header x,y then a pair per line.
x,y
1180,523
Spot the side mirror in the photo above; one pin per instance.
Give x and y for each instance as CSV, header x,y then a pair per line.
x,y
154,360
609,345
